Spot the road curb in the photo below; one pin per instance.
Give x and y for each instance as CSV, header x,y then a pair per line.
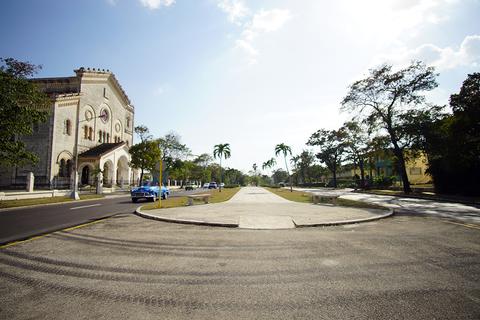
x,y
236,225
344,222
185,221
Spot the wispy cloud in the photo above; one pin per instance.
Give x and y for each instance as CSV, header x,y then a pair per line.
x,y
253,24
467,54
236,10
156,4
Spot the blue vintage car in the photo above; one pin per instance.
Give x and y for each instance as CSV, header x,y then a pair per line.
x,y
149,192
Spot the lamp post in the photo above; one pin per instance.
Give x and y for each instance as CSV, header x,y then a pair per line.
x,y
160,182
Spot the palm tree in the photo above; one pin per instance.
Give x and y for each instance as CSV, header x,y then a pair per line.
x,y
269,164
254,168
221,151
283,148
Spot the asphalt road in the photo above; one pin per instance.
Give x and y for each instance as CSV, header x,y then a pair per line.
x,y
22,223
126,267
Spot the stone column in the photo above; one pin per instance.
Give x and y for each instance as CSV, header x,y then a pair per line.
x,y
30,181
99,189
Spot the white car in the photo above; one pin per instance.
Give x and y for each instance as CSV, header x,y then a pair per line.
x,y
205,185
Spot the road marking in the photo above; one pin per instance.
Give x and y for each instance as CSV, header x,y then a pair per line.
x,y
90,205
466,225
47,234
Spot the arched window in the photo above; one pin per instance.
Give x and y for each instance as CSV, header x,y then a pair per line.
x,y
108,137
85,132
90,133
99,135
68,127
128,122
68,168
62,168
104,137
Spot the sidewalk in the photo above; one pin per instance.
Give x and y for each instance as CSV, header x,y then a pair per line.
x,y
257,208
457,211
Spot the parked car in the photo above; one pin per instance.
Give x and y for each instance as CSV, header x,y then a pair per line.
x,y
190,186
222,185
206,185
212,185
149,191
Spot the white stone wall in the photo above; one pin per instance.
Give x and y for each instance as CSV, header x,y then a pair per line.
x,y
98,92
51,142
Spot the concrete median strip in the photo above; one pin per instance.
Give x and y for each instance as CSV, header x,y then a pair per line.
x,y
259,209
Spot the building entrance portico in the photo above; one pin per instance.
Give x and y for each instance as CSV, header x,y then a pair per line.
x,y
112,160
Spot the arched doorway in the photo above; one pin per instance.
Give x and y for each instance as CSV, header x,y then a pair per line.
x,y
107,173
122,171
85,175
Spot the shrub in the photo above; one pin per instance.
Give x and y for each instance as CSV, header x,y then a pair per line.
x,y
382,182
230,186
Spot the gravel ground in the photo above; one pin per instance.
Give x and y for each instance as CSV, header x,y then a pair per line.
x,y
126,267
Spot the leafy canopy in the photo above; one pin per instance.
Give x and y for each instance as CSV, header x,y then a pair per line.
x,y
22,105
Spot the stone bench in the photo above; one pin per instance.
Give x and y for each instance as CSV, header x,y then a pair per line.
x,y
204,197
317,198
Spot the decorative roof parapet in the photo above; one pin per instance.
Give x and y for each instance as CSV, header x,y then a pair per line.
x,y
88,71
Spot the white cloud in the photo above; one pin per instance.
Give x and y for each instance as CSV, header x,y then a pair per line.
x,y
156,4
262,22
467,54
269,20
253,25
386,20
235,9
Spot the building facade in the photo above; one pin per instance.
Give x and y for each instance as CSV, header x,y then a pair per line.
x,y
91,116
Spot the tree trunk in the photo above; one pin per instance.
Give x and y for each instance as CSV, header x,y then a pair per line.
x,y
221,174
141,178
288,173
403,171
361,164
334,172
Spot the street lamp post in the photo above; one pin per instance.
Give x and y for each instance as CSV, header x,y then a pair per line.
x,y
160,182
74,195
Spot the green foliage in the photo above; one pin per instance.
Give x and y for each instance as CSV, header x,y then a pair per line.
x,y
221,151
452,143
383,182
279,175
145,155
172,149
392,101
22,105
332,144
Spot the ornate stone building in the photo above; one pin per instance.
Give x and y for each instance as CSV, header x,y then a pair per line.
x,y
92,109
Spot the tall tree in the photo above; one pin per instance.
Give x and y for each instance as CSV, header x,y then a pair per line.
x,y
385,99
221,151
172,149
22,105
285,150
356,145
452,144
269,164
143,133
332,147
145,156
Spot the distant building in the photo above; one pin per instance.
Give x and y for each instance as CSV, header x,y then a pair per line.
x,y
92,105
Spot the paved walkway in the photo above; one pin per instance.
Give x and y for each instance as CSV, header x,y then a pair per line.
x,y
457,211
257,208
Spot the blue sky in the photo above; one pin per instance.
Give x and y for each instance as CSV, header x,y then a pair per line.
x,y
249,73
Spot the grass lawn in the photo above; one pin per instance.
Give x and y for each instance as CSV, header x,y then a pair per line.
x,y
299,196
172,202
30,202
